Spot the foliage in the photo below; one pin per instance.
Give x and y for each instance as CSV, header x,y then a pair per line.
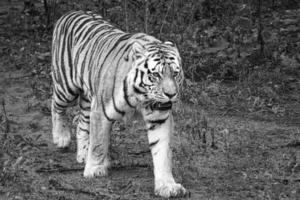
x,y
241,62
254,44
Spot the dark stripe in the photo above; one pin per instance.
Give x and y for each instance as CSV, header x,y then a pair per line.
x,y
94,59
158,121
70,56
81,25
152,127
136,74
84,98
84,130
146,64
116,108
82,119
122,38
59,110
103,108
114,81
153,143
142,77
98,56
125,91
140,37
137,90
89,30
88,108
66,18
63,68
61,96
59,106
142,84
86,117
138,64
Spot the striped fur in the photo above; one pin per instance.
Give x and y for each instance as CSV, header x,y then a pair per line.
x,y
113,73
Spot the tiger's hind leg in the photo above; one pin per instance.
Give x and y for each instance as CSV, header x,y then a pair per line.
x,y
61,131
83,129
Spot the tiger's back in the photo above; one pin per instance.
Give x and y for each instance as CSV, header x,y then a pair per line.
x,y
87,46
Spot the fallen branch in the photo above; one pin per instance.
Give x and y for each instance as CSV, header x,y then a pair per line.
x,y
58,170
119,166
140,152
80,169
24,76
57,186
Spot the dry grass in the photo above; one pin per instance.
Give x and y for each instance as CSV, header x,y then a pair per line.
x,y
231,141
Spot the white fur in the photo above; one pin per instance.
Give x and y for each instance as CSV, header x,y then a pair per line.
x,y
82,145
165,184
60,130
97,162
93,169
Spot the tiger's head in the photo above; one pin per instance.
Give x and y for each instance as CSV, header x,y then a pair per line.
x,y
158,73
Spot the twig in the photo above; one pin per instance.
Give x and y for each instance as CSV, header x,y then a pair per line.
x,y
228,110
6,122
260,27
126,16
46,7
163,22
146,16
173,16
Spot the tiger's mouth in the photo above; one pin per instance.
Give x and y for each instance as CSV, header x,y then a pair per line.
x,y
161,106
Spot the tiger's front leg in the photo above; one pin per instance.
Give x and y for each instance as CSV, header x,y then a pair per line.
x,y
97,162
159,135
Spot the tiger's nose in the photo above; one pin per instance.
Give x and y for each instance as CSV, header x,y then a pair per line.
x,y
170,95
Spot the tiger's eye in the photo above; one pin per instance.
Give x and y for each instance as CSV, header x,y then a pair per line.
x,y
156,74
175,73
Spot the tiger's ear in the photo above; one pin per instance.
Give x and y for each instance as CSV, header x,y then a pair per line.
x,y
170,43
138,50
173,45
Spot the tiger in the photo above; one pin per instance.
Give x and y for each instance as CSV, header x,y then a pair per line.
x,y
110,74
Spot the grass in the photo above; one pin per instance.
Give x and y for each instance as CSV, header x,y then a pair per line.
x,y
232,140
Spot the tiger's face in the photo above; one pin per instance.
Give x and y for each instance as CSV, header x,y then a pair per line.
x,y
158,74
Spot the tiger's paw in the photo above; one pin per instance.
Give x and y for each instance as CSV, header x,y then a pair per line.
x,y
82,145
82,155
62,139
169,189
91,171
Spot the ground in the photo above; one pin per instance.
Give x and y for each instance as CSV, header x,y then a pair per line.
x,y
217,154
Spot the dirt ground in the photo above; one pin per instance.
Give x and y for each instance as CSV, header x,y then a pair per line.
x,y
216,156
251,159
